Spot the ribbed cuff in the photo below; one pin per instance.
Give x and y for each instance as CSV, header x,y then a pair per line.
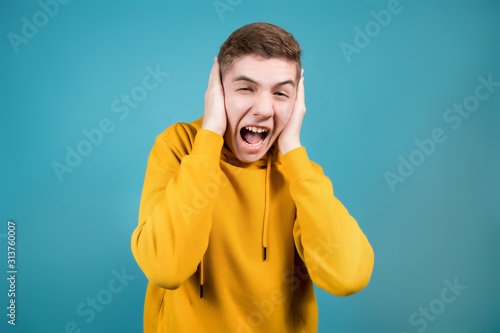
x,y
207,145
297,164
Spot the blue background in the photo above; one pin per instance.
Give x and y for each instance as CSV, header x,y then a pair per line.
x,y
73,235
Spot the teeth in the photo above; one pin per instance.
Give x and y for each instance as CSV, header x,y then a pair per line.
x,y
256,129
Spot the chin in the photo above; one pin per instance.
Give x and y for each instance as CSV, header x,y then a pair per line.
x,y
250,158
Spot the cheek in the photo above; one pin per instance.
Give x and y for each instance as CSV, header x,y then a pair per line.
x,y
282,115
236,106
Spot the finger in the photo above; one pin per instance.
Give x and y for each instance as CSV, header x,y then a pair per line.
x,y
300,90
212,71
210,78
215,74
299,106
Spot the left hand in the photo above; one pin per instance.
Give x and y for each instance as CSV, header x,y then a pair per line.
x,y
289,138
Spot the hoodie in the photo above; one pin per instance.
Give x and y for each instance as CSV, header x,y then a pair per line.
x,y
229,246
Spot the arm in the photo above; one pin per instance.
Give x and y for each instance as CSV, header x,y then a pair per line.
x,y
175,215
337,254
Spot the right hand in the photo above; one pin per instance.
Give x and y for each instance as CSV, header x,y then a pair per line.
x,y
214,117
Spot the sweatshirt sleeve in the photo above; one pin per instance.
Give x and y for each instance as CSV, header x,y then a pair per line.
x,y
175,217
337,254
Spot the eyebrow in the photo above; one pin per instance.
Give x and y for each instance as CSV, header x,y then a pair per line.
x,y
279,84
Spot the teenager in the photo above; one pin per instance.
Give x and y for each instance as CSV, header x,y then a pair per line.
x,y
235,222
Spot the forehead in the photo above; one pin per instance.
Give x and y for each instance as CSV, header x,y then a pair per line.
x,y
263,70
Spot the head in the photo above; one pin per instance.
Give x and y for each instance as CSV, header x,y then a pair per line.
x,y
260,70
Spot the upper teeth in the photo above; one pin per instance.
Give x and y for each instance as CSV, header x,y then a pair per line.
x,y
256,129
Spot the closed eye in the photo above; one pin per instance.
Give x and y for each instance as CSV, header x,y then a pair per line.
x,y
281,94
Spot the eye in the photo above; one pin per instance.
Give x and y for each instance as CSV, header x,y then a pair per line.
x,y
281,94
245,89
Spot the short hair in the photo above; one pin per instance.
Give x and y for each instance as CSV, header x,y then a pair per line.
x,y
263,39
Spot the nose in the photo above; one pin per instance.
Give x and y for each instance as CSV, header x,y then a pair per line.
x,y
263,107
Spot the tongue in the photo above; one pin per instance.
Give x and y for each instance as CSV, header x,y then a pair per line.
x,y
251,137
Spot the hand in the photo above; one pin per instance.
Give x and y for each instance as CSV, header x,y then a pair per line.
x,y
214,117
290,136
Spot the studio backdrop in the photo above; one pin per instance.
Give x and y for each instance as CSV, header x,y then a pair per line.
x,y
403,101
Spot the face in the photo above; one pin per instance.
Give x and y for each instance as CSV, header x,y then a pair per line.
x,y
259,96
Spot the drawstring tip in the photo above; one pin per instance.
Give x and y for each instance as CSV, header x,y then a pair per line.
x,y
201,291
265,254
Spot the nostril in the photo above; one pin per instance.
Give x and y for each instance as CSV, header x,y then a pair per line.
x,y
264,112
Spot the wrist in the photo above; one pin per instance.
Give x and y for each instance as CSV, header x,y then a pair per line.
x,y
287,146
207,145
215,129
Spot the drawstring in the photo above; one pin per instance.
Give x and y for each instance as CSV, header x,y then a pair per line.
x,y
266,208
201,278
264,226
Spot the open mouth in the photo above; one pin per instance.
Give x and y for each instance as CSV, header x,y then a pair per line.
x,y
253,136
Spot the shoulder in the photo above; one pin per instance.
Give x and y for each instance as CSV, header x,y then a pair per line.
x,y
180,136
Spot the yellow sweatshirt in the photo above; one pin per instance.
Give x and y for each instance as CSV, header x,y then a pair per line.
x,y
235,247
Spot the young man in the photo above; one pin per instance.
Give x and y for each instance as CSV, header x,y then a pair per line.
x,y
235,222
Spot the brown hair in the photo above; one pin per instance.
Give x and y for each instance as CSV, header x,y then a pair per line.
x,y
263,39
